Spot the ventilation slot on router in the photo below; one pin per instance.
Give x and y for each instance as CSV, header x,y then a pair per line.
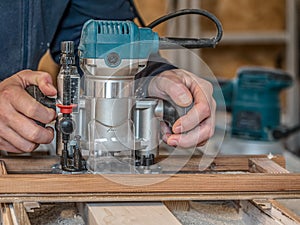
x,y
113,28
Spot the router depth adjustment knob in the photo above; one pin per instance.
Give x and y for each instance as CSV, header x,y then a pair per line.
x,y
67,126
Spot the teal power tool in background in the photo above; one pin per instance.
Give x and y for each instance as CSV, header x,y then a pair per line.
x,y
253,98
256,102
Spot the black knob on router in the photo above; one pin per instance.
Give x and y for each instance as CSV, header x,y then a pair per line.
x,y
67,126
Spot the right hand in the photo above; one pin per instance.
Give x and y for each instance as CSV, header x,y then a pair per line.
x,y
18,111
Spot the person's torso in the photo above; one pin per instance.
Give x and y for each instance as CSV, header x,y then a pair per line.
x,y
29,27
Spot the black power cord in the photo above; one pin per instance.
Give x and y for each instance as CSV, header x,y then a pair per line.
x,y
174,43
171,42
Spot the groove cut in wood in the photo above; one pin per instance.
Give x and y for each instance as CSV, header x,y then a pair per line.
x,y
146,196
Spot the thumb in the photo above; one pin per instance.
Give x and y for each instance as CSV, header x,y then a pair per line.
x,y
41,79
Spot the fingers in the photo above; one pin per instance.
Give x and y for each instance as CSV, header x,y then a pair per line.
x,y
6,146
168,85
37,133
22,133
14,98
197,114
42,79
183,87
18,130
165,131
25,104
11,141
194,138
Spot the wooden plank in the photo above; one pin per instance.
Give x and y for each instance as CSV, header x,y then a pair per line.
x,y
6,217
265,165
27,164
2,168
138,197
30,206
21,215
13,214
150,213
15,211
148,183
283,214
277,211
221,163
272,207
252,215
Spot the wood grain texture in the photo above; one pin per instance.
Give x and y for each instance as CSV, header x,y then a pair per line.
x,y
15,211
264,165
21,214
283,213
148,183
44,164
3,170
147,213
245,15
177,205
27,164
220,163
146,196
271,207
252,215
278,212
6,217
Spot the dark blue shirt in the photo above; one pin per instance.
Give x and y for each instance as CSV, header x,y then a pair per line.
x,y
29,27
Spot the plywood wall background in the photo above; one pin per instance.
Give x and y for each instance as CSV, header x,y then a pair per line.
x,y
151,10
245,15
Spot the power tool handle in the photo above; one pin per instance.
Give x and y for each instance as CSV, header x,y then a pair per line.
x,y
172,112
36,93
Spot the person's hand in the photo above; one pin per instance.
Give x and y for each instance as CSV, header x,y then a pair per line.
x,y
18,131
185,88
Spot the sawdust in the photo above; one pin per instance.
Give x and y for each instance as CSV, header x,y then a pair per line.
x,y
210,213
56,214
200,213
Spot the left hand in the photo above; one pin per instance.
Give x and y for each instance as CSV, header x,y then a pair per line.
x,y
185,88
